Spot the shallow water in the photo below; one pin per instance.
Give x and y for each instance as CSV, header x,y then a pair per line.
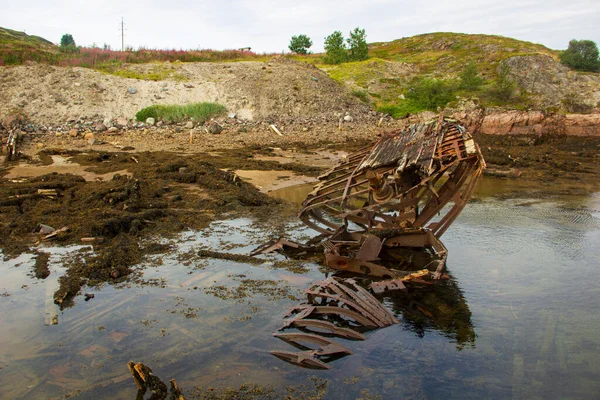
x,y
59,165
519,319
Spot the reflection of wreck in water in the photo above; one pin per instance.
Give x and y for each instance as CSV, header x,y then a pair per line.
x,y
441,307
380,214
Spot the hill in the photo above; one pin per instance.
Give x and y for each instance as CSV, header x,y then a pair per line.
x,y
445,53
384,81
17,47
540,80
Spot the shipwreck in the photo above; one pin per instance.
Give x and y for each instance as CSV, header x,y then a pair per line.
x,y
380,214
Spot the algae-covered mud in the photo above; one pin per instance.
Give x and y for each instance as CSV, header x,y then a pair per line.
x,y
518,318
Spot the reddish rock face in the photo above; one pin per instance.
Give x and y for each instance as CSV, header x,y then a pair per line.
x,y
536,123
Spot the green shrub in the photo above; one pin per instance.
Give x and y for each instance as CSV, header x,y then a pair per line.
x,y
400,110
504,86
363,95
199,112
581,55
469,78
431,93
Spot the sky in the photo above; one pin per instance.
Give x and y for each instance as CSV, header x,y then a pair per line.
x,y
267,26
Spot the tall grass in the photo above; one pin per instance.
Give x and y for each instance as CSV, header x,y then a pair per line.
x,y
92,57
199,112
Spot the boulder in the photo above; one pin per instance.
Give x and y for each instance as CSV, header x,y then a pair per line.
x,y
150,121
215,128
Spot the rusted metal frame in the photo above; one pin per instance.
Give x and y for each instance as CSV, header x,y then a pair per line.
x,y
451,136
331,182
406,202
331,286
354,306
423,189
446,192
333,329
317,214
459,204
460,180
347,264
363,297
405,216
453,152
360,319
399,284
320,196
345,165
388,286
455,211
370,248
304,311
380,218
301,358
410,239
434,177
278,245
388,220
317,217
328,346
368,297
334,200
305,218
438,245
359,154
439,265
376,310
350,179
453,147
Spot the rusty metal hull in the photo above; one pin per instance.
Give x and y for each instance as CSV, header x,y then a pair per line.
x,y
401,182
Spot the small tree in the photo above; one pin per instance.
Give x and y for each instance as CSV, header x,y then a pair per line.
x,y
357,43
504,85
469,78
300,44
335,48
581,55
67,40
67,44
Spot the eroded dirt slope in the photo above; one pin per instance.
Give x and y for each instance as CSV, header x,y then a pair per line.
x,y
253,90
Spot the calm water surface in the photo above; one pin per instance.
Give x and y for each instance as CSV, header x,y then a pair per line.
x,y
519,319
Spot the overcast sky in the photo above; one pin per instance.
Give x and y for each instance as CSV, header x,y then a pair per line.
x,y
267,25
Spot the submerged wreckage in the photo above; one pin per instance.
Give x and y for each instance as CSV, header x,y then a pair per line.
x,y
378,212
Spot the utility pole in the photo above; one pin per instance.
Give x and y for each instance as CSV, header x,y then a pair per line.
x,y
122,35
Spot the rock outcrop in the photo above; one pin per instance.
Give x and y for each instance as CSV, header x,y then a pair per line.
x,y
537,123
